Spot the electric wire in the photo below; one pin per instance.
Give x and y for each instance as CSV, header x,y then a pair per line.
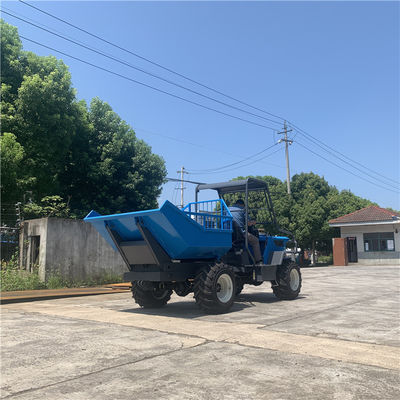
x,y
235,163
240,166
146,85
217,150
146,59
322,145
139,69
352,166
301,131
345,169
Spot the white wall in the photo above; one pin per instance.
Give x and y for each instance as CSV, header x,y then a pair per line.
x,y
377,257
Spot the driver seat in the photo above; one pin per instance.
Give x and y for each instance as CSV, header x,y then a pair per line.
x,y
238,239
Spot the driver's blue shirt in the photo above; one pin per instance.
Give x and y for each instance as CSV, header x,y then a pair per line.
x,y
239,216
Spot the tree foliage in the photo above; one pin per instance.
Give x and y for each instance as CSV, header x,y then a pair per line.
x,y
61,150
49,206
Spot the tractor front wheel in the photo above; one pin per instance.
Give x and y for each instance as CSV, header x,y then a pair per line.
x,y
215,288
288,282
150,294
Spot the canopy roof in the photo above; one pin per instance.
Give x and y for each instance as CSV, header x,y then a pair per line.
x,y
235,186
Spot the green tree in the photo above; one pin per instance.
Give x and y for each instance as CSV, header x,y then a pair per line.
x,y
56,146
48,206
12,68
44,120
120,172
12,154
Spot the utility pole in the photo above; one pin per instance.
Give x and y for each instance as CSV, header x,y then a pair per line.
x,y
287,142
182,172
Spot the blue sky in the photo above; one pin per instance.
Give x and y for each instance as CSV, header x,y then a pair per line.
x,y
332,68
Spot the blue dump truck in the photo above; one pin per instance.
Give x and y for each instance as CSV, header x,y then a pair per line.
x,y
200,249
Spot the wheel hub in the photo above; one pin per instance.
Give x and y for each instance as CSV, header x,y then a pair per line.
x,y
224,288
294,279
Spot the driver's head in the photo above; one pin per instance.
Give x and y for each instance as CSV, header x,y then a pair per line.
x,y
239,203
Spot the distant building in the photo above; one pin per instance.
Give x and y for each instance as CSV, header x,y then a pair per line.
x,y
372,235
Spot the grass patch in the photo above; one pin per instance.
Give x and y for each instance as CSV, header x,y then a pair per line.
x,y
12,278
325,260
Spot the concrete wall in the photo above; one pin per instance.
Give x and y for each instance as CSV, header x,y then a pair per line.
x,y
72,249
374,257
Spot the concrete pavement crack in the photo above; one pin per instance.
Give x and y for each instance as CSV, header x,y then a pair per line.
x,y
104,369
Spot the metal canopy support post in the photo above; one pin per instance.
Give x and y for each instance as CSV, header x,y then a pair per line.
x,y
246,239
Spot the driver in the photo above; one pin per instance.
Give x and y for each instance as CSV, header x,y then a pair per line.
x,y
239,216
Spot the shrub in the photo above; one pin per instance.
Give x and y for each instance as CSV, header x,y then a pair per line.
x,y
12,278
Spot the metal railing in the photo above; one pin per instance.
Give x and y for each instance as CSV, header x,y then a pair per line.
x,y
211,214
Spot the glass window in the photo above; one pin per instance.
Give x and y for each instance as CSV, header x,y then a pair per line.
x,y
379,241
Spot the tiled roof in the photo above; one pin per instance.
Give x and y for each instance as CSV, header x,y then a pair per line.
x,y
368,214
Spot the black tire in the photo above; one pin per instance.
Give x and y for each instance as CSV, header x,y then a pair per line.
x,y
150,295
288,283
239,287
215,288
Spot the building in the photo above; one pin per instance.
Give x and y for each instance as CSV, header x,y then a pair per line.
x,y
68,248
372,235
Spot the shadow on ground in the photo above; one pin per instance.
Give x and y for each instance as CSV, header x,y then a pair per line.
x,y
188,309
182,309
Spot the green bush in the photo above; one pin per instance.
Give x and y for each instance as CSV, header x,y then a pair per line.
x,y
12,278
325,260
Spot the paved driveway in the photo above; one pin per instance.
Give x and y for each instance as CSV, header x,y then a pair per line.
x,y
338,340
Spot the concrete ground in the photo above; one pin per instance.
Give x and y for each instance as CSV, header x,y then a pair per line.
x,y
338,340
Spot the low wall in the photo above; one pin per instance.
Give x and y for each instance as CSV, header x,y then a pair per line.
x,y
72,249
379,258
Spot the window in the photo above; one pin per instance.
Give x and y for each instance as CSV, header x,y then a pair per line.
x,y
380,241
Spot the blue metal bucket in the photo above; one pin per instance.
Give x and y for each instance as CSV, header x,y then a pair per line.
x,y
177,231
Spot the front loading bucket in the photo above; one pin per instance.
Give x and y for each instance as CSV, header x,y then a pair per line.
x,y
182,234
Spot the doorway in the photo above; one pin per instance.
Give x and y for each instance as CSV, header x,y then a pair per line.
x,y
34,252
352,249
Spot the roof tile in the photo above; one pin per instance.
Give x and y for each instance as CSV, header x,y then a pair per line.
x,y
368,214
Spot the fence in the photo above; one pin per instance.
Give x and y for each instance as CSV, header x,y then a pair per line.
x,y
211,214
9,242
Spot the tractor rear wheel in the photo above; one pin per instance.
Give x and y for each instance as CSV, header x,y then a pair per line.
x,y
215,288
150,294
288,281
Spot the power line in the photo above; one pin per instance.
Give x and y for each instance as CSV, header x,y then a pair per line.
x,y
139,69
235,163
240,166
303,132
322,145
146,85
346,162
195,145
184,180
345,169
146,59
